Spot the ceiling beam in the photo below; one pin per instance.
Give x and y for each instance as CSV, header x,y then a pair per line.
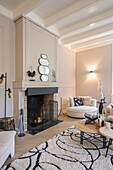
x,y
94,46
92,42
68,11
87,22
94,32
25,8
6,12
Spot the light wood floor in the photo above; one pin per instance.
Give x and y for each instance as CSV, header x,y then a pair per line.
x,y
24,144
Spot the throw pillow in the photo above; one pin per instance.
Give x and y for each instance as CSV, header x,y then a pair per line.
x,y
71,100
78,102
87,101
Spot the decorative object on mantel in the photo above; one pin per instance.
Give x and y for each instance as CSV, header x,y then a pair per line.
x,y
43,68
31,73
54,75
6,121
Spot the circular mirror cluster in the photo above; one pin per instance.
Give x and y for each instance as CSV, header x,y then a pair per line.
x,y
44,67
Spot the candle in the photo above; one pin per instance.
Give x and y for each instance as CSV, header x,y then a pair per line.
x,y
101,95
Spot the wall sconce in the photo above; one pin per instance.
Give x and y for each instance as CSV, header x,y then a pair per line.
x,y
6,90
91,72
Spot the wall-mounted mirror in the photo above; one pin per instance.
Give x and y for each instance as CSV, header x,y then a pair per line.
x,y
43,62
44,70
43,56
44,67
44,78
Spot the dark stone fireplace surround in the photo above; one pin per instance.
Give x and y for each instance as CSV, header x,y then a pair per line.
x,y
41,91
41,113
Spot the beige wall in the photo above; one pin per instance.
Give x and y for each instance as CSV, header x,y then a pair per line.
x,y
7,60
101,59
66,74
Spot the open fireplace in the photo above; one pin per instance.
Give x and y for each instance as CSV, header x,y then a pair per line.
x,y
42,110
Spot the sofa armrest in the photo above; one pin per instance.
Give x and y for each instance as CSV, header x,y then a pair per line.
x,y
93,102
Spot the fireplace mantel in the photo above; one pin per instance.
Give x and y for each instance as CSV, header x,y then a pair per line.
x,y
23,85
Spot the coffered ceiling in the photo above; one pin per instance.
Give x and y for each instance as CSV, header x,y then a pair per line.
x,y
80,24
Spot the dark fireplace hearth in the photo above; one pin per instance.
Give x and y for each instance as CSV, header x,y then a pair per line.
x,y
42,110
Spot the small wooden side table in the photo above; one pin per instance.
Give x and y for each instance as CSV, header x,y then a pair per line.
x,y
7,123
107,132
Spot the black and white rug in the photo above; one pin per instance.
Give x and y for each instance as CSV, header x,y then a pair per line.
x,y
64,152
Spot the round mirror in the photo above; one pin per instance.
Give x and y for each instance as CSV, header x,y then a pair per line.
x,y
43,62
44,78
43,56
43,70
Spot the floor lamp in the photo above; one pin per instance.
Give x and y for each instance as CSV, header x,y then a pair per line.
x,y
6,90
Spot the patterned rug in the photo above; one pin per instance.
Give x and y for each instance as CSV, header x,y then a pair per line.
x,y
64,152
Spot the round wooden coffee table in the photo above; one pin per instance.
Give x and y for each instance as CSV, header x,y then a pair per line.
x,y
107,132
92,128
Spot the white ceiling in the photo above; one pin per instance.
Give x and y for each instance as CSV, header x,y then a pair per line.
x,y
11,4
70,19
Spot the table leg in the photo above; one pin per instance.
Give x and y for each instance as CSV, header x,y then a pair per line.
x,y
81,137
104,141
110,141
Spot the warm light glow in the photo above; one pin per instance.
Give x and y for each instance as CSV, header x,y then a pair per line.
x,y
91,72
92,68
92,75
91,25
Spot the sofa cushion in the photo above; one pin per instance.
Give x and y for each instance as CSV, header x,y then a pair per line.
x,y
71,101
87,101
77,101
5,140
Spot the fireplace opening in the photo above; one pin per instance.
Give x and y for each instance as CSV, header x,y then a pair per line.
x,y
42,110
34,111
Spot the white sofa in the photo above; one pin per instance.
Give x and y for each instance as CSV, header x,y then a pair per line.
x,y
79,111
109,109
7,145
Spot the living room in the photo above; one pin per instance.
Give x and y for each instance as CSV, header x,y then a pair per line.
x,y
73,50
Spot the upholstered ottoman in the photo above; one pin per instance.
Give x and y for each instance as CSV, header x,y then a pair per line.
x,y
7,145
79,111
